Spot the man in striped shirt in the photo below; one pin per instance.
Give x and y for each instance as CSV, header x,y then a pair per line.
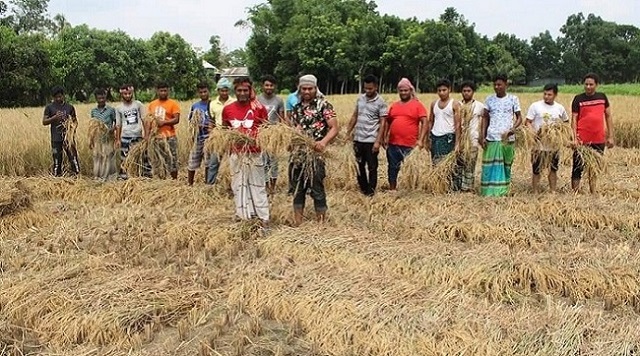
x,y
102,146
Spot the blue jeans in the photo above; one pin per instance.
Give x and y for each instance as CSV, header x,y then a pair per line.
x,y
213,164
395,156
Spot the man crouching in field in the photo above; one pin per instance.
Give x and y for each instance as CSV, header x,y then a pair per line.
x,y
104,165
129,126
313,116
57,115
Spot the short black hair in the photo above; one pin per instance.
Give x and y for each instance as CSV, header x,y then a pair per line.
x,y
551,86
203,85
242,80
57,90
370,78
501,76
126,86
162,85
468,84
593,76
443,83
269,78
100,92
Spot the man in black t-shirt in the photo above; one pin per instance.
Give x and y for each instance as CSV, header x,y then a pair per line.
x,y
56,116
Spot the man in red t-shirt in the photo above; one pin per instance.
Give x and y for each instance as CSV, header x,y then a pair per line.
x,y
247,166
592,127
405,128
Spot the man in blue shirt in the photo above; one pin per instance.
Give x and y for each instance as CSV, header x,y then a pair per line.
x,y
201,111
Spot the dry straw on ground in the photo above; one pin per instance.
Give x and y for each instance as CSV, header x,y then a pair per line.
x,y
153,267
13,197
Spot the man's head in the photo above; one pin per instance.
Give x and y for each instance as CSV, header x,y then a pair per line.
x,y
500,83
371,86
444,89
101,96
269,85
223,87
126,92
203,91
406,90
591,81
242,88
58,94
308,87
550,93
162,90
468,89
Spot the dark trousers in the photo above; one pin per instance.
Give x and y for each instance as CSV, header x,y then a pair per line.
x,y
309,179
395,157
367,167
57,149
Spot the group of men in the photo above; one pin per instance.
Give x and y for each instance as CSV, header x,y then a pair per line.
x,y
401,127
443,129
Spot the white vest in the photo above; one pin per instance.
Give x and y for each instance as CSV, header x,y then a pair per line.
x,y
443,123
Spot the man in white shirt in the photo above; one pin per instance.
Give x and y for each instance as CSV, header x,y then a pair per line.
x,y
541,113
471,113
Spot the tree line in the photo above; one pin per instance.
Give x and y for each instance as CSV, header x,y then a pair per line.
x,y
338,40
342,40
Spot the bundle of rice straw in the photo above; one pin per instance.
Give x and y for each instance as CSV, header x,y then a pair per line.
x,y
594,163
439,179
13,197
222,139
194,127
416,170
71,127
555,136
526,138
98,130
153,150
278,139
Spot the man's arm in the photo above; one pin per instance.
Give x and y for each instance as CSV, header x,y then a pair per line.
x,y
424,128
432,117
333,132
482,139
48,119
457,123
609,121
352,123
381,134
574,128
173,121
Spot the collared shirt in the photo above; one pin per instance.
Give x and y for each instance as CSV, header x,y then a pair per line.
x,y
217,106
313,117
501,113
369,111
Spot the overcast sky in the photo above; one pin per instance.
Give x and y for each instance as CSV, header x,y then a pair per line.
x,y
197,20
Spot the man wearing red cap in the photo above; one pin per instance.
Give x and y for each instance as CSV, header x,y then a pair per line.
x,y
406,128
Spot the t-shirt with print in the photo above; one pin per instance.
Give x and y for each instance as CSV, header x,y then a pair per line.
x,y
201,109
313,117
471,114
166,109
501,112
246,118
369,110
274,106
58,131
591,117
107,115
404,122
130,119
292,101
217,106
